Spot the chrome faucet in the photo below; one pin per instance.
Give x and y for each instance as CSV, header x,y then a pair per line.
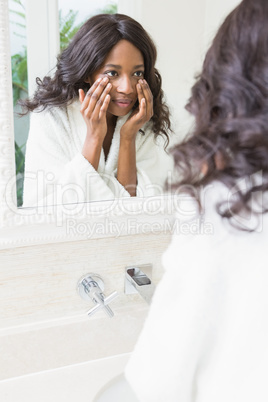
x,y
138,280
90,287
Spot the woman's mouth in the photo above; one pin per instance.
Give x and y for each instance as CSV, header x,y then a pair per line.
x,y
124,103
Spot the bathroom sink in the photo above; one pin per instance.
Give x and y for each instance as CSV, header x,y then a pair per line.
x,y
77,382
117,390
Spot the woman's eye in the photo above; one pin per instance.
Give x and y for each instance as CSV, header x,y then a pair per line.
x,y
111,73
139,74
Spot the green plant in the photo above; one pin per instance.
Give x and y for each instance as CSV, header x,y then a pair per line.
x,y
19,85
19,60
19,75
20,88
67,27
19,159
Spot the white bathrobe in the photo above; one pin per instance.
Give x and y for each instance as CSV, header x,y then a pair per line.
x,y
206,336
56,172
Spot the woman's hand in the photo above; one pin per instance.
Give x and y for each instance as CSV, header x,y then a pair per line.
x,y
141,114
94,105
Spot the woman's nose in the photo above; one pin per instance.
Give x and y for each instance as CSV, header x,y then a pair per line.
x,y
125,85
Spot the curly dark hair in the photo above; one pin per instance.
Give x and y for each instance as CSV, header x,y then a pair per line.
x,y
230,103
86,53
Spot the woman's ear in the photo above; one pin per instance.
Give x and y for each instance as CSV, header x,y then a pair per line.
x,y
88,81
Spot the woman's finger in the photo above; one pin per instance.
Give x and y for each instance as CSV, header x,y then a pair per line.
x,y
93,94
85,98
139,92
91,89
148,97
141,113
104,106
143,107
81,95
94,108
146,90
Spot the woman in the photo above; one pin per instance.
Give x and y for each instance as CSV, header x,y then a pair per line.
x,y
205,338
100,125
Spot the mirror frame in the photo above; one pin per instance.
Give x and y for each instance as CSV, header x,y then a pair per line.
x,y
60,223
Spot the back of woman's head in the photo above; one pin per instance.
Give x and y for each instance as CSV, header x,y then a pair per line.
x,y
230,105
234,78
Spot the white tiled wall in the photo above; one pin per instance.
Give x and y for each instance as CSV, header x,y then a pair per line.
x,y
43,319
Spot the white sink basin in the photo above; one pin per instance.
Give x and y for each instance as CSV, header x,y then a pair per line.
x,y
116,390
79,382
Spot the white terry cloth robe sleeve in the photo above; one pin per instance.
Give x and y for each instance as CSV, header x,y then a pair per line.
x,y
205,337
56,172
154,164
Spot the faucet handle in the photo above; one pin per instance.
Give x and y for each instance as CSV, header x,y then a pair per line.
x,y
90,287
102,303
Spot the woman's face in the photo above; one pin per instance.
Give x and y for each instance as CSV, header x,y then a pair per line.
x,y
124,66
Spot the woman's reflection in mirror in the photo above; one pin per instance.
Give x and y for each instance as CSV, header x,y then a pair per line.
x,y
99,126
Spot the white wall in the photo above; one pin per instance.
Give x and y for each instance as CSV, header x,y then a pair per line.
x,y
177,28
42,24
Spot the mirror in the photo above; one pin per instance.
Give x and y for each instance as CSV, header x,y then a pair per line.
x,y
56,172
178,61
